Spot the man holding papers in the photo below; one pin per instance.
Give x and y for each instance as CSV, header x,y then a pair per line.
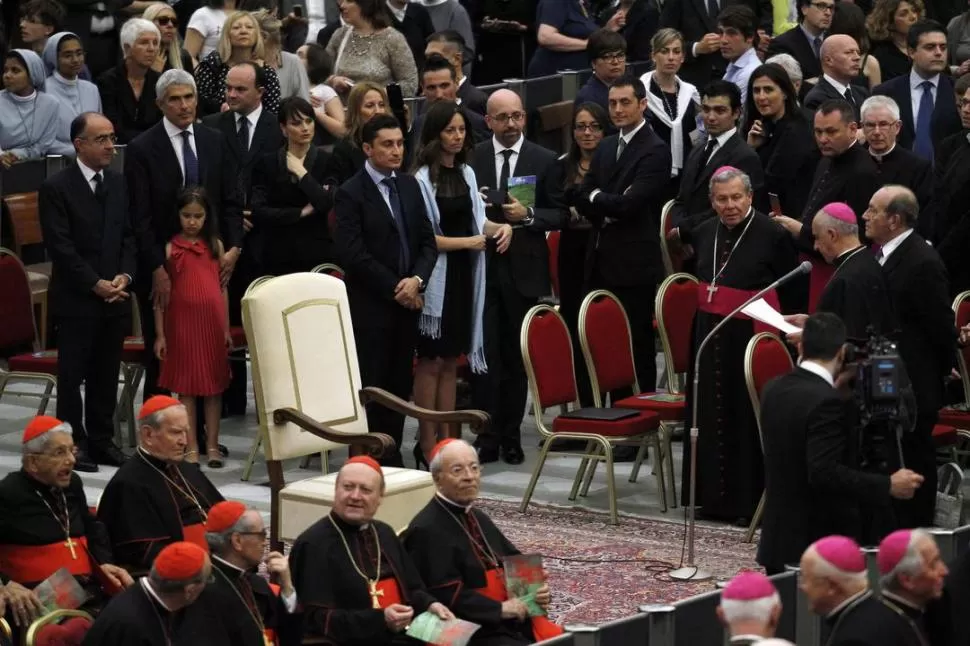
x,y
739,253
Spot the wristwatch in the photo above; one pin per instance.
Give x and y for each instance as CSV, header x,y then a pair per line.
x,y
530,218
420,282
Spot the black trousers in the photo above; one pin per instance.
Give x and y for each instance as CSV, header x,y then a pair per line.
x,y
247,270
146,311
385,355
638,301
89,353
919,454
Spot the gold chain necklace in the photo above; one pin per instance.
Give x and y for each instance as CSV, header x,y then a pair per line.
x,y
187,492
485,549
371,583
254,613
65,524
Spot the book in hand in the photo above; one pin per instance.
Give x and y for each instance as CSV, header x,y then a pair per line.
x,y
524,190
430,628
523,578
61,591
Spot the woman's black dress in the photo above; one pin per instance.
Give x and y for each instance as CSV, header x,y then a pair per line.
x,y
455,208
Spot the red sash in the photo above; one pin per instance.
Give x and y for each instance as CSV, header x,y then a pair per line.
x,y
817,280
195,534
726,299
34,563
542,628
390,592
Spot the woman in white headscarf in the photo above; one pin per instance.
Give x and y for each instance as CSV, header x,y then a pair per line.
x,y
28,116
64,60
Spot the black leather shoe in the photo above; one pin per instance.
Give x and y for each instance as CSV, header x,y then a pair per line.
x,y
109,455
512,454
487,454
82,462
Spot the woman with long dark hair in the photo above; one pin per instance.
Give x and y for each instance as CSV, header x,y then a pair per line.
x,y
888,25
781,134
451,322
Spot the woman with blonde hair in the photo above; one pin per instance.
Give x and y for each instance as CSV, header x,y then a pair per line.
x,y
888,25
366,100
241,42
288,67
171,54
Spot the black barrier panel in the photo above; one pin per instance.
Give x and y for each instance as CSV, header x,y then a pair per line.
x,y
630,631
24,177
488,89
584,76
695,621
639,68
566,639
787,586
542,91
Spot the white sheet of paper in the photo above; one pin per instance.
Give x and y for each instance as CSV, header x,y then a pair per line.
x,y
760,310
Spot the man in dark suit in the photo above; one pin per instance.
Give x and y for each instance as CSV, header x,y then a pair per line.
x,y
249,132
925,97
88,235
621,196
171,154
386,246
927,338
813,486
841,61
721,108
439,82
414,22
804,41
450,44
517,278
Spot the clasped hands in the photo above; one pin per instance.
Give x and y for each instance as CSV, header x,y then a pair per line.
x,y
407,294
398,616
112,291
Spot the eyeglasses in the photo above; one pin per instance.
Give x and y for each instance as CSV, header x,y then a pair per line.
x,y
613,57
165,21
459,469
261,533
60,453
588,127
823,6
505,118
102,139
880,125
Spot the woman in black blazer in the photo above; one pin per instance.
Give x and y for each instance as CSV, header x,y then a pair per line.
x,y
291,201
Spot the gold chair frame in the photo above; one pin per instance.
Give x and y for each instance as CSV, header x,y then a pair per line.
x,y
664,245
50,618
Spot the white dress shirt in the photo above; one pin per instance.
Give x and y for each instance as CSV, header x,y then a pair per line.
x,y
499,148
818,369
89,174
252,118
839,87
382,188
627,137
289,600
397,13
721,139
891,246
175,136
916,92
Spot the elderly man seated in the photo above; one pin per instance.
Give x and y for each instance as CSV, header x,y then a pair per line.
x,y
750,608
459,553
354,580
45,525
256,613
155,498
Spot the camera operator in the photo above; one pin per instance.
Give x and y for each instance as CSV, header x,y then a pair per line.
x,y
813,486
919,287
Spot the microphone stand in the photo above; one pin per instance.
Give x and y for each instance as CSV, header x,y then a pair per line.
x,y
690,572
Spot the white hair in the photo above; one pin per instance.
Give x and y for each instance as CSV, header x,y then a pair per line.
x,y
170,78
912,562
788,63
841,227
437,461
39,443
826,570
219,541
879,101
727,175
131,30
751,610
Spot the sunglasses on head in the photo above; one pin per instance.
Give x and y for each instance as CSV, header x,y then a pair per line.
x,y
165,21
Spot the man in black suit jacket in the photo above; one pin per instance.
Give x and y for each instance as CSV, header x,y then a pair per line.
x,y
926,44
439,82
171,154
841,60
951,194
450,44
804,41
621,196
249,132
88,234
386,245
414,22
813,486
927,338
517,278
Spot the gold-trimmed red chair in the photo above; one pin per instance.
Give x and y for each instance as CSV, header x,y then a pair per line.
x,y
60,628
329,269
18,331
26,231
547,352
673,258
765,358
953,427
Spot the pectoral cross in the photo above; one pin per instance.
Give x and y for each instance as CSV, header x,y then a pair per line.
x,y
374,594
711,290
69,543
267,640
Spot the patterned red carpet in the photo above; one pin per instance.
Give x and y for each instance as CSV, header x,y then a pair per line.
x,y
599,572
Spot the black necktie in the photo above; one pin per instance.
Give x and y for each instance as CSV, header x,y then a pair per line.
x,y
100,191
709,149
404,259
848,96
243,133
503,181
713,9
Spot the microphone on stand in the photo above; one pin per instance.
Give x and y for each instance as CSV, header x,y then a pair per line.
x,y
690,572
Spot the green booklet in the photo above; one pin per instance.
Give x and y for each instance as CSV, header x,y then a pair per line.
x,y
428,627
524,190
523,578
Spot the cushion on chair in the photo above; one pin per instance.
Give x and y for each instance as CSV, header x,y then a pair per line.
x,y
666,411
304,502
133,350
677,307
644,422
608,340
944,435
36,362
18,312
69,633
551,356
238,335
38,282
957,418
770,360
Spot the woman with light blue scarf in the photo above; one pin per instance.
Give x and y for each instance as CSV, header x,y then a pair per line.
x,y
64,60
451,323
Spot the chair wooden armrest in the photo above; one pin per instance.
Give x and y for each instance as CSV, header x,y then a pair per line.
x,y
375,444
477,420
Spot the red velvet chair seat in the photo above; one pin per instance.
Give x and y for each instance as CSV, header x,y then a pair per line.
x,y
944,435
38,362
956,418
666,411
644,422
238,335
133,350
69,633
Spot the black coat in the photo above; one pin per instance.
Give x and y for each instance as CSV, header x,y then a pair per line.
x,y
789,157
528,255
471,97
811,486
230,595
946,119
131,116
859,294
626,250
416,27
903,166
87,241
266,138
951,195
795,43
867,621
155,179
345,162
824,91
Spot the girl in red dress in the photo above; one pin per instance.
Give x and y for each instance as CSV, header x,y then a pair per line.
x,y
193,332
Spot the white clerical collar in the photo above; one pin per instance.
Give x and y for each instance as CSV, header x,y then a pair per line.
x,y
899,599
150,591
842,606
892,245
467,508
225,562
839,87
882,156
817,369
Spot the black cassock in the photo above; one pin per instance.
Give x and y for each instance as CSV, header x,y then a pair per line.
x,y
904,167
335,598
868,620
135,618
859,294
145,510
245,598
730,473
453,566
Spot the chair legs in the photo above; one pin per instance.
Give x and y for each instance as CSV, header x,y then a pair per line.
x,y
251,460
755,520
582,470
543,454
658,470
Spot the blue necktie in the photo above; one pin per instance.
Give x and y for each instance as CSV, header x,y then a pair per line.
x,y
404,259
924,141
191,161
